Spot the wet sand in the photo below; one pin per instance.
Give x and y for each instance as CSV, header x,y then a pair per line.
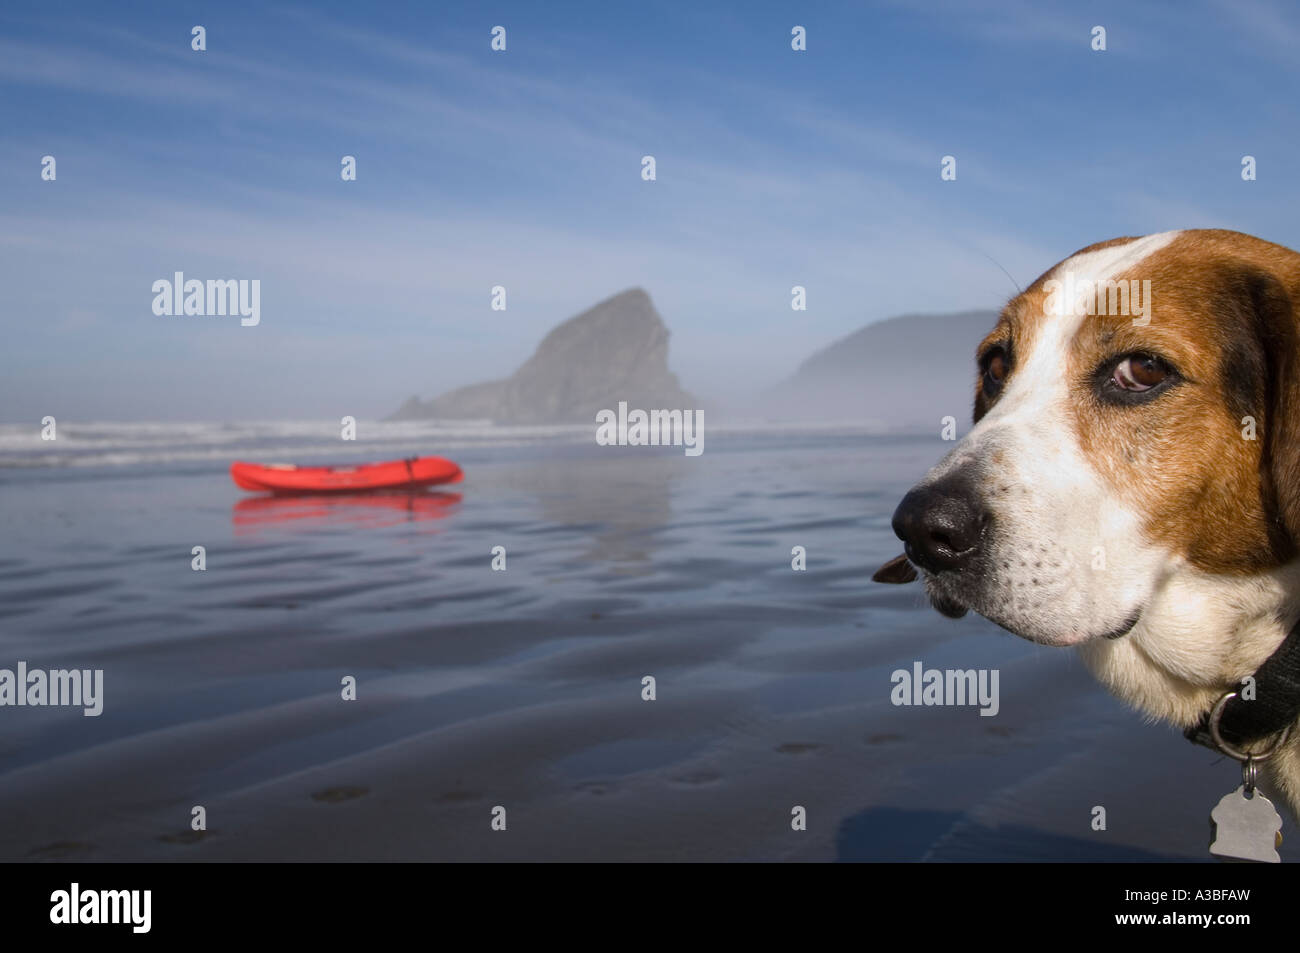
x,y
522,688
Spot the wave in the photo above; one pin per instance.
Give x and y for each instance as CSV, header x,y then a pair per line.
x,y
105,444
111,444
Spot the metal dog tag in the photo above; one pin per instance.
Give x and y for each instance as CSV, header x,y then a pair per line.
x,y
1246,828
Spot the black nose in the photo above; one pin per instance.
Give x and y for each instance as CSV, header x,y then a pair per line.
x,y
941,525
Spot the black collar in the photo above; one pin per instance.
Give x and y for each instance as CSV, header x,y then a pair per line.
x,y
1275,706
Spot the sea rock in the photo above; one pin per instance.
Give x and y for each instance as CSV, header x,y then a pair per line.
x,y
901,373
615,351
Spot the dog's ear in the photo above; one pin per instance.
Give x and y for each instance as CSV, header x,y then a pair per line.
x,y
897,571
1277,361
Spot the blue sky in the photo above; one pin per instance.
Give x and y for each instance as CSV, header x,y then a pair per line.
x,y
522,169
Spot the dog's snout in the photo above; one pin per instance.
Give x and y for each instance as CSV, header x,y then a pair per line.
x,y
941,525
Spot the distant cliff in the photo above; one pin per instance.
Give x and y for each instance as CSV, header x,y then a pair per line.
x,y
904,372
617,350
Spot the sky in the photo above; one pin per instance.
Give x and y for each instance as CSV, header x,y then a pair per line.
x,y
522,168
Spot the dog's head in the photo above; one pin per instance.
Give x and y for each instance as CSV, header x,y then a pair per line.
x,y
1137,433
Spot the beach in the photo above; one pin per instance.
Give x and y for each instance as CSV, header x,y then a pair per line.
x,y
522,689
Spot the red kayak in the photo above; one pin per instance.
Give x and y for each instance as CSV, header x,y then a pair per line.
x,y
390,475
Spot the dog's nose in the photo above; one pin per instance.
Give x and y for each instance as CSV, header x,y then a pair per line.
x,y
941,525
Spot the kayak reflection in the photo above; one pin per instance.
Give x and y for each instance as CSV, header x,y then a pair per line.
x,y
373,508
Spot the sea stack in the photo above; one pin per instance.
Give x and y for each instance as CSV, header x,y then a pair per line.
x,y
615,351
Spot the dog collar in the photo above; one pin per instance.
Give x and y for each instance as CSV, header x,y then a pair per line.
x,y
1275,706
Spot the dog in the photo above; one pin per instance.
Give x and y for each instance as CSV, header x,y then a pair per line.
x,y
1131,485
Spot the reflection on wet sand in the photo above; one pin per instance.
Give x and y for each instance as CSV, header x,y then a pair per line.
x,y
374,509
620,503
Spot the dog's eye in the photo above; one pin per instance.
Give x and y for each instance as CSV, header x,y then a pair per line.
x,y
995,371
1139,372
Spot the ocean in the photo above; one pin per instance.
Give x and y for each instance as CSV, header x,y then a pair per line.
x,y
503,714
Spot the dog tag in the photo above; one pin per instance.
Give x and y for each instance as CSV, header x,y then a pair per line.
x,y
1246,828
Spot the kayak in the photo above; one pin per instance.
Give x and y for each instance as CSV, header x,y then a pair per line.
x,y
391,474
